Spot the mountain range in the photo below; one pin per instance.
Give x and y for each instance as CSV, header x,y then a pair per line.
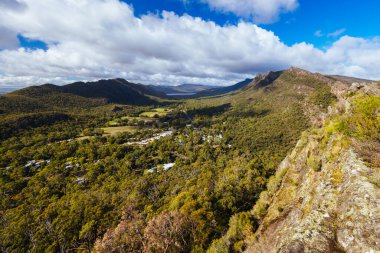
x,y
78,95
119,91
182,89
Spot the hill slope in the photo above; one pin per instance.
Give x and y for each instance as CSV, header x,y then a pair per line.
x,y
226,153
328,200
324,196
46,97
77,95
114,91
258,125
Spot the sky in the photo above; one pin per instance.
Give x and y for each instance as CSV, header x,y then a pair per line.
x,y
170,42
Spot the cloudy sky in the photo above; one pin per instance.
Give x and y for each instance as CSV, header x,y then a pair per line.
x,y
184,41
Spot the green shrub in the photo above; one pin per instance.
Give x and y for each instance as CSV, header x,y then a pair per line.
x,y
375,179
274,183
364,123
314,162
260,208
241,226
323,97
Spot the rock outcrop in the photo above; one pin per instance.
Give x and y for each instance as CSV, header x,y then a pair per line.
x,y
327,200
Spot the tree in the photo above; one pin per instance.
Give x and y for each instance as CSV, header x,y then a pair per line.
x,y
126,237
169,232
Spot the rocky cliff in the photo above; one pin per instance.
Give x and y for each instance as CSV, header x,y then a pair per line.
x,y
327,195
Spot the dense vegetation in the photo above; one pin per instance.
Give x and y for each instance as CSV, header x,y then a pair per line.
x,y
69,186
364,126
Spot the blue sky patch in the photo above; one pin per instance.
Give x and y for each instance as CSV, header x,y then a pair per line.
x,y
32,44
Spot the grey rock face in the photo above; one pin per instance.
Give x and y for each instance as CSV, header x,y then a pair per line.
x,y
327,201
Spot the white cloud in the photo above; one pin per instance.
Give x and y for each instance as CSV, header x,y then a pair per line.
x,y
355,57
318,33
337,33
15,5
262,11
8,39
90,39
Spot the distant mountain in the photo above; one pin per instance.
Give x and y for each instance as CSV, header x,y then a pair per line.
x,y
351,79
115,91
79,95
223,90
82,95
208,91
183,88
262,80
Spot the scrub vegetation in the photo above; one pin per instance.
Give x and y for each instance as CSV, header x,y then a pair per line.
x,y
85,180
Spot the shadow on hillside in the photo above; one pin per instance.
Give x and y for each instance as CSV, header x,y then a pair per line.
x,y
210,111
250,112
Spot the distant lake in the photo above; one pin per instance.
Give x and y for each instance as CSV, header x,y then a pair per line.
x,y
181,94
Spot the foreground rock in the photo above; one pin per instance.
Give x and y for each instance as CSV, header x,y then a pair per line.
x,y
328,199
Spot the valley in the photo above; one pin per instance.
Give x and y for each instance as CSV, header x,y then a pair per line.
x,y
189,126
84,168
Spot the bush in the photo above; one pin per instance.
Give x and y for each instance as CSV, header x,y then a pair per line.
x,y
314,162
168,232
323,97
241,226
274,183
260,208
369,151
364,123
375,179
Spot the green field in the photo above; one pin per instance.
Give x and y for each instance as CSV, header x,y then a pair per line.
x,y
145,119
161,112
121,129
113,123
146,116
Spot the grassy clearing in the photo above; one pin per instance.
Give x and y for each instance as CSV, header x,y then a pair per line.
x,y
161,112
83,138
145,119
113,123
129,120
166,110
121,129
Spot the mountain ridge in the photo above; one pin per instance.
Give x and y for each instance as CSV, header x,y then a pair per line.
x,y
79,95
324,195
120,91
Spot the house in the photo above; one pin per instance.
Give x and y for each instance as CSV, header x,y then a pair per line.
x,y
81,180
151,170
30,163
168,166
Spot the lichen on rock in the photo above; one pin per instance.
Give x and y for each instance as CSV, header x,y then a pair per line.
x,y
329,199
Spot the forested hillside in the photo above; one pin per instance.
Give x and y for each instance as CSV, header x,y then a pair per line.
x,y
78,96
122,178
325,191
